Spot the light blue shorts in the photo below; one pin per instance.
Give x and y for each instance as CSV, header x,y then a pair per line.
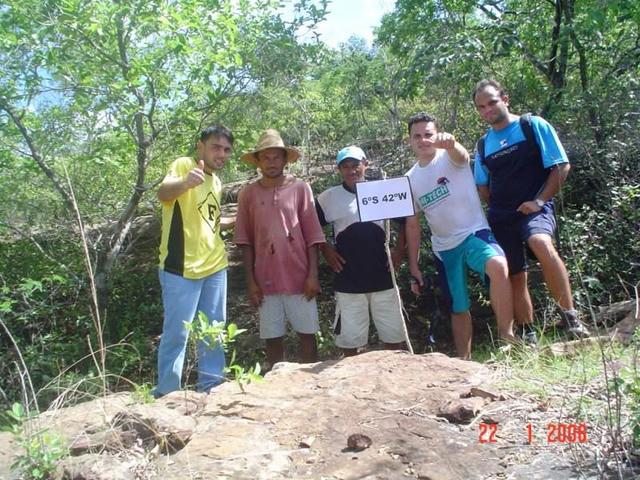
x,y
473,252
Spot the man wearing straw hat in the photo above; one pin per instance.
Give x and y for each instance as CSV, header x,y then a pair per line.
x,y
193,260
362,283
279,233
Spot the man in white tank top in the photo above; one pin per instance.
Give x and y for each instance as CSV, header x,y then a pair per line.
x,y
444,189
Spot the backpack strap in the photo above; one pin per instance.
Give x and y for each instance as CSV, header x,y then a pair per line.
x,y
480,150
480,147
529,135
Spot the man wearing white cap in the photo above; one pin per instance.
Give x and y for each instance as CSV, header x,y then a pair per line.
x,y
279,232
362,281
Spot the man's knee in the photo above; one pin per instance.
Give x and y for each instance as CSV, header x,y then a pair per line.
x,y
497,267
542,246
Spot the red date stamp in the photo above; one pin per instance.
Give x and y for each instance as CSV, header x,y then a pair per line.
x,y
562,433
555,433
487,432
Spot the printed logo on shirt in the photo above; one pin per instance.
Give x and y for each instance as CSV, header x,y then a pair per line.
x,y
436,195
506,151
503,143
210,211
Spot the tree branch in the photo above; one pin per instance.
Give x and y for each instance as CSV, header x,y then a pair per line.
x,y
35,154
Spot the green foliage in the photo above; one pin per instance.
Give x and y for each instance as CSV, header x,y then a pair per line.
x,y
241,375
143,393
539,372
39,303
628,390
41,450
598,257
631,388
625,387
214,334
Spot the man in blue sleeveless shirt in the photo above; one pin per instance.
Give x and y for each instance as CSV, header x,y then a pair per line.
x,y
518,180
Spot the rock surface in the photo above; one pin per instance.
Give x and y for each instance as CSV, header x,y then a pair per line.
x,y
296,424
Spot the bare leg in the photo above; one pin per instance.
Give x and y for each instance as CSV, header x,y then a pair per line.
x,y
553,269
462,331
394,346
522,306
349,352
308,347
501,297
275,350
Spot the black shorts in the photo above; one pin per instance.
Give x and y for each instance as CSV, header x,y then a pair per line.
x,y
513,237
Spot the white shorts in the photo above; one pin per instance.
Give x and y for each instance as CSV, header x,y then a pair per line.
x,y
275,310
352,318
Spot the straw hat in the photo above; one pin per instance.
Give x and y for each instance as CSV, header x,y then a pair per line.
x,y
270,139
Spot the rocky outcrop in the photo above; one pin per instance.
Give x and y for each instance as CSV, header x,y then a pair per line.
x,y
376,415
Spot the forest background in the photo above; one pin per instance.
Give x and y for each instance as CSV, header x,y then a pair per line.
x,y
97,97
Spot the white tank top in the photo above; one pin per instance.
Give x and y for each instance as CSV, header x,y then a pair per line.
x,y
447,195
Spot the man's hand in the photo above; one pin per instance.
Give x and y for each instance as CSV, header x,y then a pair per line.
x,y
195,177
528,207
172,187
443,140
397,255
416,280
333,258
311,287
254,294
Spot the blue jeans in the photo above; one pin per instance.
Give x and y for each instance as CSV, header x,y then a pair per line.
x,y
182,298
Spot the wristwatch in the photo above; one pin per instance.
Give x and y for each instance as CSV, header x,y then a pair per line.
x,y
539,202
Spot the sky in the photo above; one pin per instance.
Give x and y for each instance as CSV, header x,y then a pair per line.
x,y
347,18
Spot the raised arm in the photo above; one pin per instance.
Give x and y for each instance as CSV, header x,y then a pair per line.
x,y
457,153
172,187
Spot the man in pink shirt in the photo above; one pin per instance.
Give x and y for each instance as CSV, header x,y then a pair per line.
x,y
279,233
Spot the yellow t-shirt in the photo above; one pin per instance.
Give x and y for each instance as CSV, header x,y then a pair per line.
x,y
191,245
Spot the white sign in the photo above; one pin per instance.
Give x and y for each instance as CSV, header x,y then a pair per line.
x,y
382,199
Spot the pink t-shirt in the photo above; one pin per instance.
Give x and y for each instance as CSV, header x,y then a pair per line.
x,y
281,224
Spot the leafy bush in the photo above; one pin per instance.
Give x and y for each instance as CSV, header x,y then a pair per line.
x,y
602,246
41,450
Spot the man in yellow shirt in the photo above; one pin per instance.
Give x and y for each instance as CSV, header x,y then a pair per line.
x,y
193,260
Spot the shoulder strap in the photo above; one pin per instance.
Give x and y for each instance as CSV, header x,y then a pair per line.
x,y
480,147
527,130
529,135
